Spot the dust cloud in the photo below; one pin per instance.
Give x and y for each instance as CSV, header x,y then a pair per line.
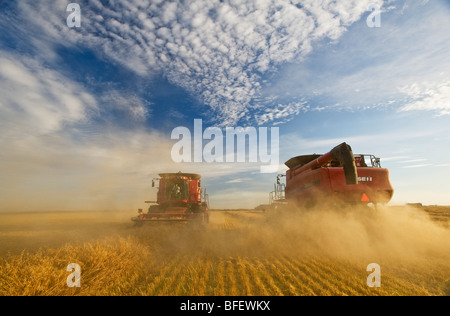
x,y
357,233
99,172
411,247
385,234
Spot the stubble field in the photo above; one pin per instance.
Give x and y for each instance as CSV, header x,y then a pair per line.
x,y
245,253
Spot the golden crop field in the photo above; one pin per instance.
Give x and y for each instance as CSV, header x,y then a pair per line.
x,y
240,253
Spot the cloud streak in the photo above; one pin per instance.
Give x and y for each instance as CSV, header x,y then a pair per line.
x,y
428,96
402,66
42,100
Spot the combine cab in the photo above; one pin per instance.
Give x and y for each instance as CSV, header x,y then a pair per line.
x,y
180,198
337,176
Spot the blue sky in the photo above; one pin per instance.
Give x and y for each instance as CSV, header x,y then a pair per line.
x,y
86,113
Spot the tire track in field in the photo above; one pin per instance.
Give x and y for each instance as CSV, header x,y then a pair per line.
x,y
243,285
204,269
231,278
217,276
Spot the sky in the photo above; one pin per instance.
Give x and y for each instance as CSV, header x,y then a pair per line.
x,y
87,113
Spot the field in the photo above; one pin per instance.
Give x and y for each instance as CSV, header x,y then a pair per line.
x,y
245,253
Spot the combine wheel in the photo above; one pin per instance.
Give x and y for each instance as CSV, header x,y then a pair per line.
x,y
200,221
138,222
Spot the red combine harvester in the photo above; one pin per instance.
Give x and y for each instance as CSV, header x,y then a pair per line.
x,y
337,176
180,198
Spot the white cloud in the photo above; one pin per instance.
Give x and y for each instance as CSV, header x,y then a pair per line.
x,y
216,50
428,96
282,112
37,100
52,155
377,68
237,180
131,105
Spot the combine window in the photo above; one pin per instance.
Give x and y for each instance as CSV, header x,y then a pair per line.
x,y
177,190
361,161
369,161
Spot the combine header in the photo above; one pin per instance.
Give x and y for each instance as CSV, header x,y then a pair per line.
x,y
337,176
180,198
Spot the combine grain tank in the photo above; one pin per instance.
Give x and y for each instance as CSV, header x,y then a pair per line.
x,y
337,176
